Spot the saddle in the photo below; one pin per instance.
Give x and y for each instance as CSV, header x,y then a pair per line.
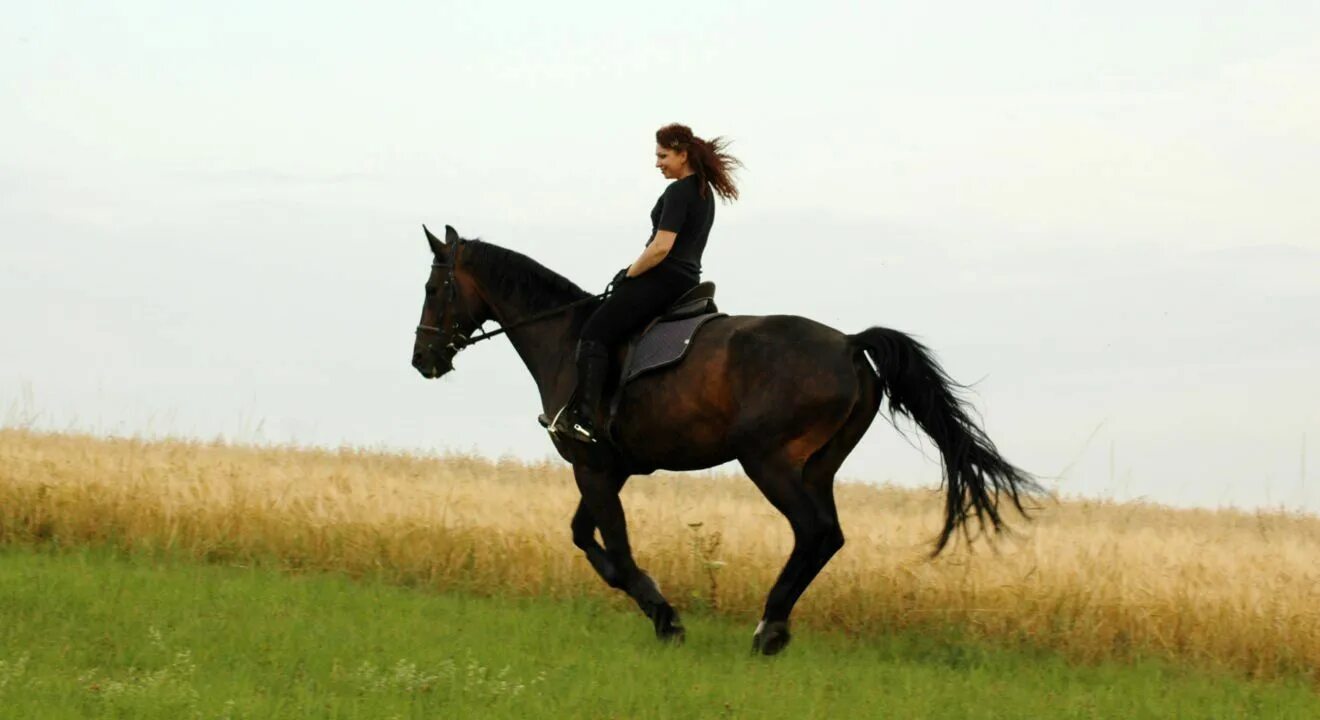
x,y
697,301
662,342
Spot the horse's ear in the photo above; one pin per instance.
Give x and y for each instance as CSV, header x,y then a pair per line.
x,y
451,235
432,240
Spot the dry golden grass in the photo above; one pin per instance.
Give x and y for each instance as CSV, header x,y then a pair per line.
x,y
1095,580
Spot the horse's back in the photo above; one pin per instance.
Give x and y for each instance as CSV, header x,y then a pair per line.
x,y
787,367
788,334
768,370
751,348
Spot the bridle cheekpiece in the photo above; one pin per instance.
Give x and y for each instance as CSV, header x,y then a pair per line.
x,y
456,339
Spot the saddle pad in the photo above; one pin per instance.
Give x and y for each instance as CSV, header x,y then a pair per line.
x,y
663,345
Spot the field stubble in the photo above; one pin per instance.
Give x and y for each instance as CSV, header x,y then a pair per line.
x,y
1094,580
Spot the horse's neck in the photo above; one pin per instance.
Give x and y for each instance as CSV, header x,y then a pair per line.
x,y
547,347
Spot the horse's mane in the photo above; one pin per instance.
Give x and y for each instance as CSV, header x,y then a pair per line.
x,y
515,274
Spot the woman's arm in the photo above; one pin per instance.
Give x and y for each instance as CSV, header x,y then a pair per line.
x,y
673,213
656,251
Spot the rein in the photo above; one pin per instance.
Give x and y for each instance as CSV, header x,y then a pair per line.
x,y
458,340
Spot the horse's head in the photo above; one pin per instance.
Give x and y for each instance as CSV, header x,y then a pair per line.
x,y
451,311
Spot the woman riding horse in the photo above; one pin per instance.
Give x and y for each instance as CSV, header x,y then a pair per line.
x,y
785,396
668,267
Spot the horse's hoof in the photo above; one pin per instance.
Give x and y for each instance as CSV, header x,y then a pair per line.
x,y
667,626
770,637
674,635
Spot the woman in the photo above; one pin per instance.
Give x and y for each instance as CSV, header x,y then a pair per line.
x,y
668,267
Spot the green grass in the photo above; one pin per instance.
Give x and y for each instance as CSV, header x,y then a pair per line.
x,y
88,634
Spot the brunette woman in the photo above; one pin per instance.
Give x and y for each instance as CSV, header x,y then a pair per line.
x,y
669,266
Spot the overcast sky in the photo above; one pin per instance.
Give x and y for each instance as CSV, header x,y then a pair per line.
x,y
1105,218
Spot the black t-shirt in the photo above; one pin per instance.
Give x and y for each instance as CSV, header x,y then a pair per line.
x,y
681,209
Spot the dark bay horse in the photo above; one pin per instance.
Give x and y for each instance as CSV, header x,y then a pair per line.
x,y
785,396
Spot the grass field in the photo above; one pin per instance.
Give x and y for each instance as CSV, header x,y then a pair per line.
x,y
1093,581
92,633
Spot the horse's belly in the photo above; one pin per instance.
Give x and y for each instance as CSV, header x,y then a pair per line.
x,y
676,434
668,455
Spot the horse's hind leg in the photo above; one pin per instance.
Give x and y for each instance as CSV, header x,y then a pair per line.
x,y
600,508
816,536
806,497
818,474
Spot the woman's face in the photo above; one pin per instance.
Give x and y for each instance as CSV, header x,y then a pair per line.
x,y
672,163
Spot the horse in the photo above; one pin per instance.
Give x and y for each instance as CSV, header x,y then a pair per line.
x,y
787,397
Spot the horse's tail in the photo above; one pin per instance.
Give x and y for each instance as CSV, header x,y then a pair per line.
x,y
974,472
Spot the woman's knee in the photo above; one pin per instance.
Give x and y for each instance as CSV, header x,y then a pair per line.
x,y
599,328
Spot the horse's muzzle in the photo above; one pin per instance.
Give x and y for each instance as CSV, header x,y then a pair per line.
x,y
432,367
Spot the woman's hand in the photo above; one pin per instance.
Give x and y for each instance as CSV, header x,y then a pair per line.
x,y
620,276
655,251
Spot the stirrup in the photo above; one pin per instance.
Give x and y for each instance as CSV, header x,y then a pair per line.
x,y
581,434
574,432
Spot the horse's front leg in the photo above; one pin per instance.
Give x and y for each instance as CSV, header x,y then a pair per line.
x,y
584,536
600,507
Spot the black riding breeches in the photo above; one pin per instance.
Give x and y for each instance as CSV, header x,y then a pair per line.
x,y
635,302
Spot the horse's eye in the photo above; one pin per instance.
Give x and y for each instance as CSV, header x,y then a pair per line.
x,y
430,290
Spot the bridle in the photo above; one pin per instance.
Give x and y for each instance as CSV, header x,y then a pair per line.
x,y
457,340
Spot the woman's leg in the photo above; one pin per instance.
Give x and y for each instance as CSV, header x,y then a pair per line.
x,y
633,303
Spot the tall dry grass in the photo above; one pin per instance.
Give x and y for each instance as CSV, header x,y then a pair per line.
x,y
1095,580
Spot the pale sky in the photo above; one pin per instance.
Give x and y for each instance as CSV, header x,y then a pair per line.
x,y
1105,218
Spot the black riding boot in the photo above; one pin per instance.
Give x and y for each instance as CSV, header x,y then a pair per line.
x,y
578,421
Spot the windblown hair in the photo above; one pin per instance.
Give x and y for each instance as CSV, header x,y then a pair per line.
x,y
708,158
516,274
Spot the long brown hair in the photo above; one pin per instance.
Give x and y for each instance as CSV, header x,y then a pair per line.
x,y
708,158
